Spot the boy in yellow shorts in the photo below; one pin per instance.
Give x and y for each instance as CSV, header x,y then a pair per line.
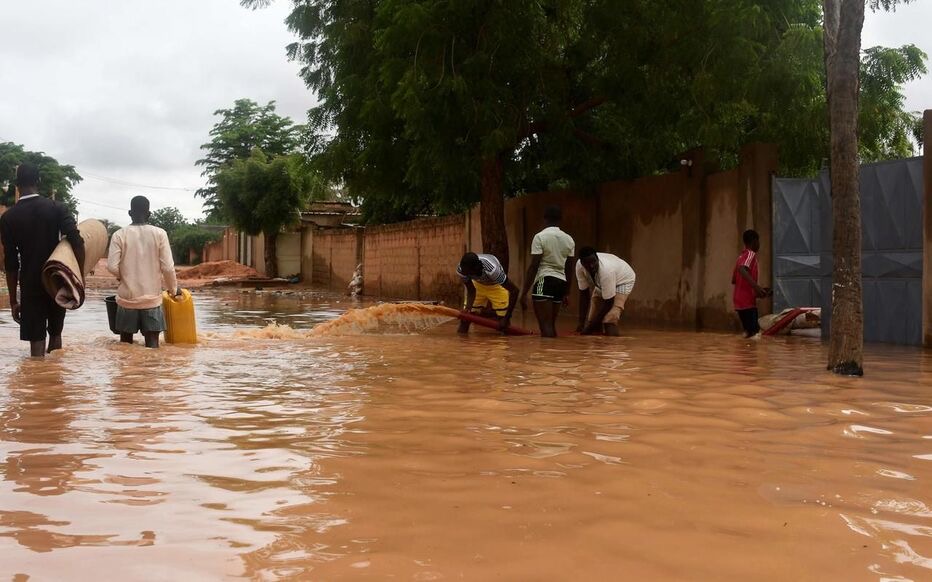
x,y
488,289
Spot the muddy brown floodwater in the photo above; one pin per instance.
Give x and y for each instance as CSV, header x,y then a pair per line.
x,y
426,456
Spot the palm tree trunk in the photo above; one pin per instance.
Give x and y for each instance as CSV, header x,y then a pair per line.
x,y
844,20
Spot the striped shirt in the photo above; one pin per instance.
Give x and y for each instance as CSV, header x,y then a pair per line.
x,y
492,272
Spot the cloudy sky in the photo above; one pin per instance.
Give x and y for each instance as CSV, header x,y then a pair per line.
x,y
125,90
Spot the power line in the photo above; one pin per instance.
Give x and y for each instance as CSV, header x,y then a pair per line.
x,y
84,201
129,184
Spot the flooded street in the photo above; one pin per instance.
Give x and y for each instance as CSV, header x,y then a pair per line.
x,y
656,456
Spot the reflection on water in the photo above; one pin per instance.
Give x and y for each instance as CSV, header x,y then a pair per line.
x,y
430,456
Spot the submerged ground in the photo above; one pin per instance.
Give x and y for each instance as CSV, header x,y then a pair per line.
x,y
656,456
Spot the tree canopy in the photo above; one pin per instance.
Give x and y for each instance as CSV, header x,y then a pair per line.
x,y
263,194
183,235
168,218
432,105
56,178
241,128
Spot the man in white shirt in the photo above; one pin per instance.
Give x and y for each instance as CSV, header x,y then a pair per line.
x,y
552,252
141,259
605,282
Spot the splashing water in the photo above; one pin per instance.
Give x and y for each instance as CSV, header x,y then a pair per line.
x,y
384,318
272,331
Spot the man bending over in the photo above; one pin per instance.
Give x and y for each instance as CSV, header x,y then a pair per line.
x,y
488,289
605,282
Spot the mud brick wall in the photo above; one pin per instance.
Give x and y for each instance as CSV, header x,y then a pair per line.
x,y
223,249
414,260
335,254
681,231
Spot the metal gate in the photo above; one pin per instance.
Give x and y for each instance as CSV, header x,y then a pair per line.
x,y
796,243
891,229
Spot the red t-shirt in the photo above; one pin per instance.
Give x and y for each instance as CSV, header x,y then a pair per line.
x,y
744,296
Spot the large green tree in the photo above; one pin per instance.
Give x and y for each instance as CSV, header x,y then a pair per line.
x,y
263,194
433,105
57,180
241,128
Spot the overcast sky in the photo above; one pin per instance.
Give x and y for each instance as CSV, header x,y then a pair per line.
x,y
125,90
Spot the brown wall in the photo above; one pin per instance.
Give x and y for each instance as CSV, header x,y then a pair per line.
x,y
307,253
721,246
653,223
258,254
414,260
334,257
681,232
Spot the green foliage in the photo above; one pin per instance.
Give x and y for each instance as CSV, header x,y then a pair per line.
x,y
262,193
169,219
56,179
188,237
245,126
415,94
184,236
887,131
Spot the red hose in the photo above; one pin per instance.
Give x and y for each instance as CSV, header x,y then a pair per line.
x,y
493,324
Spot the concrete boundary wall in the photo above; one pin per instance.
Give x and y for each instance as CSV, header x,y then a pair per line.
x,y
414,260
680,231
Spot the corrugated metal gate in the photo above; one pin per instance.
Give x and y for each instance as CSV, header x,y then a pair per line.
x,y
891,210
796,243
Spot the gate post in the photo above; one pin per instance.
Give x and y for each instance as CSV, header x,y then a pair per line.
x,y
927,229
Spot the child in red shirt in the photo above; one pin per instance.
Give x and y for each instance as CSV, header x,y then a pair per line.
x,y
747,291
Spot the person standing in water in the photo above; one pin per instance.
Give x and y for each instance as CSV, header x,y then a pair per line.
x,y
552,252
30,231
140,258
747,291
605,282
487,288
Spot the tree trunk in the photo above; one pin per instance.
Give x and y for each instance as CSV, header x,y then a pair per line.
x,y
844,20
494,236
271,254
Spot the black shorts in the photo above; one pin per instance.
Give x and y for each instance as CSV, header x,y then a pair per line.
x,y
549,289
40,314
749,321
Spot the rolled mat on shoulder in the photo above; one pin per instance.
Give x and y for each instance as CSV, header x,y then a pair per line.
x,y
62,277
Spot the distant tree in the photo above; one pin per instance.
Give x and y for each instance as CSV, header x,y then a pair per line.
x,y
57,180
263,194
245,126
168,218
886,130
192,237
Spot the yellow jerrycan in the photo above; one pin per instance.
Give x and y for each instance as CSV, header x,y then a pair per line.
x,y
180,327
